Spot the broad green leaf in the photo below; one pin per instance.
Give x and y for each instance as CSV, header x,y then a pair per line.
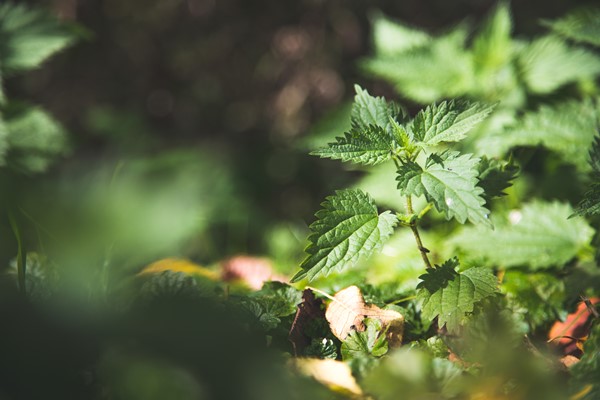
x,y
368,146
581,25
347,228
492,47
447,121
538,63
495,176
391,37
540,235
440,69
567,129
35,139
449,180
590,204
449,295
29,36
289,297
370,342
369,111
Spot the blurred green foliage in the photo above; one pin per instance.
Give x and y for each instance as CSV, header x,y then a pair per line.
x,y
139,130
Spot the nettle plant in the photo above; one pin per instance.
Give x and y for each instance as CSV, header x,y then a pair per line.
x,y
456,184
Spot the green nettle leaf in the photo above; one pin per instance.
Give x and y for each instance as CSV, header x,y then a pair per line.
x,y
391,37
447,121
29,37
449,295
370,342
539,59
495,176
368,111
492,47
449,180
285,295
540,235
582,25
369,146
567,129
34,138
347,228
590,205
439,68
322,348
373,137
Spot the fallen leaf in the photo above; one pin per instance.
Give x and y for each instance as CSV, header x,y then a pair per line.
x,y
309,310
569,360
334,374
253,271
179,265
348,309
570,333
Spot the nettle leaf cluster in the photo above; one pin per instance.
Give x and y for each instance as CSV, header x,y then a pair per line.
x,y
350,228
29,137
490,65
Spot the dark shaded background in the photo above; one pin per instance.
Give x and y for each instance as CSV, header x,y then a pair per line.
x,y
246,79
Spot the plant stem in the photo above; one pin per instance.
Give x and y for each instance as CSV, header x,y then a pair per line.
x,y
415,230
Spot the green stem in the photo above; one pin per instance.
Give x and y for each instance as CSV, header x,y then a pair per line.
x,y
21,254
413,226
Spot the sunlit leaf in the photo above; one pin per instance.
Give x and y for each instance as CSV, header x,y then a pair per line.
x,y
540,235
450,296
347,228
449,180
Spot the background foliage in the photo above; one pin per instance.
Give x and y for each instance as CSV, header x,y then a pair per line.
x,y
136,136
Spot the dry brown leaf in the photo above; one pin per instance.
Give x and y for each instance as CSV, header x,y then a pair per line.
x,y
253,271
348,309
569,360
309,310
334,374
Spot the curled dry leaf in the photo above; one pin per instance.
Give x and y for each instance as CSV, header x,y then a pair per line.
x,y
334,374
309,310
348,310
571,333
179,265
253,271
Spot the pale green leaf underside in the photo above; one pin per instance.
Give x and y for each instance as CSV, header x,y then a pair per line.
x,y
549,63
582,25
447,121
347,228
440,68
391,37
492,47
29,37
456,296
540,235
567,129
450,182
